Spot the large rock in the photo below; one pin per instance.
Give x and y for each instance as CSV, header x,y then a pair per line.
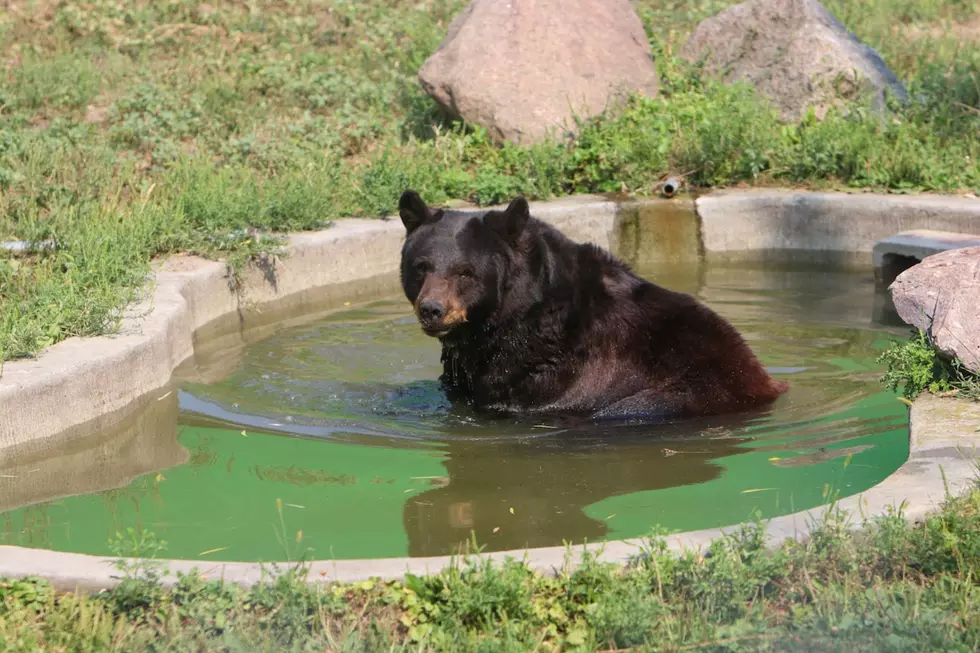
x,y
522,68
941,296
793,51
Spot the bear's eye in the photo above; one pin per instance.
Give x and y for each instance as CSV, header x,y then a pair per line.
x,y
423,267
467,273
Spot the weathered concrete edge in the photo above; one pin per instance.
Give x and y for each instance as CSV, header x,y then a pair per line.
x,y
942,463
767,220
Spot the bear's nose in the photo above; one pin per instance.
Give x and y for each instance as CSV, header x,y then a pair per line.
x,y
431,310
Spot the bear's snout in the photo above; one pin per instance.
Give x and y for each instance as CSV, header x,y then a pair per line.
x,y
431,311
438,307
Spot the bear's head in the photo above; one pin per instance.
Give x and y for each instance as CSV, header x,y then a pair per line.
x,y
455,264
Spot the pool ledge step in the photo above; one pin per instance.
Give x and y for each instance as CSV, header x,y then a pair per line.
x,y
893,255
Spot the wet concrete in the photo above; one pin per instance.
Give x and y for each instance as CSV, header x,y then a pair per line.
x,y
653,233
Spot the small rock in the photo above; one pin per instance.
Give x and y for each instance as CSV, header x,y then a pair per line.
x,y
941,296
793,51
523,68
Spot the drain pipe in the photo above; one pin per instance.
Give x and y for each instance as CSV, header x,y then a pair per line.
x,y
16,247
669,189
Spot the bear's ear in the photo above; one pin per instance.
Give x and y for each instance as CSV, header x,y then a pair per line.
x,y
509,224
414,212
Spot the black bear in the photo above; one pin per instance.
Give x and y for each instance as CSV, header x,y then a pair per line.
x,y
532,322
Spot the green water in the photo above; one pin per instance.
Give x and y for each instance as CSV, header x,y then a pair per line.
x,y
342,420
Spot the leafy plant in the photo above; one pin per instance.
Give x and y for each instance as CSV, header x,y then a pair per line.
x,y
28,592
915,366
139,590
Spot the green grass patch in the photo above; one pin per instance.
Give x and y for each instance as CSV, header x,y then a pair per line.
x,y
915,366
879,585
179,126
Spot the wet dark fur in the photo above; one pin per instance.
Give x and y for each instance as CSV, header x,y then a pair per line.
x,y
552,326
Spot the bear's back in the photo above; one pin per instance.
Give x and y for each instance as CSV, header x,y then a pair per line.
x,y
688,354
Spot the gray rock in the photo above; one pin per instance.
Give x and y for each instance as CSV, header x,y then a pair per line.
x,y
793,51
941,296
523,68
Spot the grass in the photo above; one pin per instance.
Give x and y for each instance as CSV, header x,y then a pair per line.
x,y
879,585
915,366
130,130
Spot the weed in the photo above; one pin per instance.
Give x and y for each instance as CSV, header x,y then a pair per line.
x,y
916,366
64,81
625,615
471,597
139,590
29,592
292,553
209,605
290,609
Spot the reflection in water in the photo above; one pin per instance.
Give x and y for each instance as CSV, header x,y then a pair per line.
x,y
140,442
514,494
341,418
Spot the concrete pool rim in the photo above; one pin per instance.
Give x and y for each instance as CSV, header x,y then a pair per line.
x,y
65,386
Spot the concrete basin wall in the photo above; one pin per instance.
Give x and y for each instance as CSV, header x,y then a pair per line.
x,y
45,401
734,224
